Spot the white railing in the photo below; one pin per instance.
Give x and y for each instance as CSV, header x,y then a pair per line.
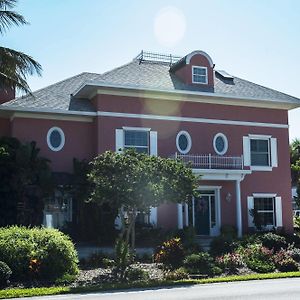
x,y
209,161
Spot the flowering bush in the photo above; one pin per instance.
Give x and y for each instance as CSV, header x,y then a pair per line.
x,y
230,262
170,253
293,252
284,262
177,274
273,241
258,258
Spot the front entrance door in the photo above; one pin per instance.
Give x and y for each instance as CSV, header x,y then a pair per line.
x,y
205,212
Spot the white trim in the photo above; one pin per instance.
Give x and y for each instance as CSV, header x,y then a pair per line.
x,y
274,154
239,222
62,136
208,187
199,52
177,95
225,143
119,140
264,195
246,151
278,211
45,116
189,140
188,119
217,174
261,168
206,75
259,136
136,128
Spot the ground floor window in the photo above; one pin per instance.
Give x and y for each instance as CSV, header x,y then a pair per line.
x,y
265,209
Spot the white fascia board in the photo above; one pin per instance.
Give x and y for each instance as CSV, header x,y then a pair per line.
x,y
217,174
86,89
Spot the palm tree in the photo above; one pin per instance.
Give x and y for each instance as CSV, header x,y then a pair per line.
x,y
14,66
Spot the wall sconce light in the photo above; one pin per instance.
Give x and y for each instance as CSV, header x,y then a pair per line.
x,y
228,197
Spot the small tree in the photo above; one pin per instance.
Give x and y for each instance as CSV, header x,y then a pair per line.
x,y
134,182
295,167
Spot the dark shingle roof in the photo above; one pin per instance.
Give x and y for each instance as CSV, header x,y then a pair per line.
x,y
148,75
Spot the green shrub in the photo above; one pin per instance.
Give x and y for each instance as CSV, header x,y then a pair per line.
x,y
199,263
258,258
230,262
136,274
107,263
284,262
229,231
178,274
95,260
273,241
37,253
170,253
123,257
5,273
222,244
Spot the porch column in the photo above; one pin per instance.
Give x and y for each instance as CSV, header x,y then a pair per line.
x,y
179,216
238,207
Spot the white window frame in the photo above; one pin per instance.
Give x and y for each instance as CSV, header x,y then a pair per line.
x,y
140,129
206,75
272,150
189,140
277,209
225,143
270,226
62,135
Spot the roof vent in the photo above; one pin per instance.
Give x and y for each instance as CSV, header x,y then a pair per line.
x,y
224,74
157,57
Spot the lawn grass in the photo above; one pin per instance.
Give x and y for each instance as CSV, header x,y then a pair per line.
x,y
30,292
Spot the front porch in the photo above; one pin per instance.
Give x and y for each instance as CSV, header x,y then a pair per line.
x,y
205,212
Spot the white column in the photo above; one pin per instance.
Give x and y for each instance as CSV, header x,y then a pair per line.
x,y
238,207
153,216
179,216
186,209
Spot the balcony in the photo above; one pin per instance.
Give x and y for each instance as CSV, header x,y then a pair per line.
x,y
214,162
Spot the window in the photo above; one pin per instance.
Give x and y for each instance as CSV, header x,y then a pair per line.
x,y
220,143
200,75
265,208
55,139
260,152
138,140
183,142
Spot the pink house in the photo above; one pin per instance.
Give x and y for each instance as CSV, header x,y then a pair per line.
x,y
234,132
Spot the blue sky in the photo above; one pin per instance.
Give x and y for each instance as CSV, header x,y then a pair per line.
x,y
257,40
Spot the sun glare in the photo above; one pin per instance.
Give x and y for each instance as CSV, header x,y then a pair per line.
x,y
169,26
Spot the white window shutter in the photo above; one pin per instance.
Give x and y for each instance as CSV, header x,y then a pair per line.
x,y
153,143
119,140
153,216
250,201
246,150
274,157
278,206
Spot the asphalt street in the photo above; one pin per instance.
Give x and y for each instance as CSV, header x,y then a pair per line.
x,y
287,289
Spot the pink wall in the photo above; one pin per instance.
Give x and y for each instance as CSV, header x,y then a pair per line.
x,y
80,140
4,127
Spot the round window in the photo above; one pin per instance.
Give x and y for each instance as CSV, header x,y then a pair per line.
x,y
55,139
183,142
220,143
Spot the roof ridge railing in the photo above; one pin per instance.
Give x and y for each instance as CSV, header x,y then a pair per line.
x,y
157,57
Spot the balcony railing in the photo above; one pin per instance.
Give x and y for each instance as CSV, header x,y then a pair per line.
x,y
209,161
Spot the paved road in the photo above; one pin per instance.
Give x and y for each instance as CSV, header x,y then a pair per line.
x,y
287,289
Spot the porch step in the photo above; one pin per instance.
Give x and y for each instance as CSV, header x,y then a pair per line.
x,y
204,242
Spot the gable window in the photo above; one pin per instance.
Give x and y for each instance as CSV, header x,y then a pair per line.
x,y
138,140
55,139
183,142
199,75
260,152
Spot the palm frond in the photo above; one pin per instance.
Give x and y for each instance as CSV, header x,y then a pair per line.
x,y
15,66
7,4
10,18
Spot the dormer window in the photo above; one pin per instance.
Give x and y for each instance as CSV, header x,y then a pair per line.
x,y
199,75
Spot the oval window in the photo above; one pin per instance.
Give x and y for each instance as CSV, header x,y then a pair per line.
x,y
183,142
55,139
220,143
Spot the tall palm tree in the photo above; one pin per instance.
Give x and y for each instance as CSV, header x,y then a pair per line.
x,y
14,66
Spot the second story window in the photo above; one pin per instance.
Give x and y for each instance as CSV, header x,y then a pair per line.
x,y
183,142
200,75
138,140
260,152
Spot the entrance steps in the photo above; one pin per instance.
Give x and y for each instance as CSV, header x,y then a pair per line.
x,y
204,242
